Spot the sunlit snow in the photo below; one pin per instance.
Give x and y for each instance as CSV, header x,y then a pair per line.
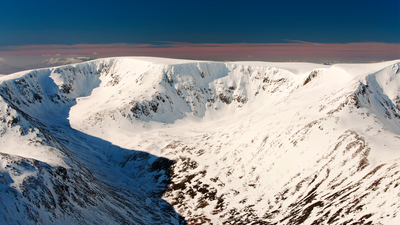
x,y
215,142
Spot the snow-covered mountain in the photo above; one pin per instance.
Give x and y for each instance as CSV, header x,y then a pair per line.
x,y
163,141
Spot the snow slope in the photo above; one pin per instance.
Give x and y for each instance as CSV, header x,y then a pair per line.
x,y
237,142
54,174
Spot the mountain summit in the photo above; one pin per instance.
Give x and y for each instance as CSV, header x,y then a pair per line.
x,y
142,140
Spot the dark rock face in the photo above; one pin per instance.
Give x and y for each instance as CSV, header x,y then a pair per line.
x,y
311,76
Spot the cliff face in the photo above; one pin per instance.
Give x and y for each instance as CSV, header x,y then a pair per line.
x,y
131,140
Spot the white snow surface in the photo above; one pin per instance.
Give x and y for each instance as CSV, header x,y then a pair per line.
x,y
252,142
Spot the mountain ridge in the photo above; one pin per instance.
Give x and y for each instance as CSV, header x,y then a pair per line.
x,y
222,142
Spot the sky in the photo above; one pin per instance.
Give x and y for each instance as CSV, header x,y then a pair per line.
x,y
287,30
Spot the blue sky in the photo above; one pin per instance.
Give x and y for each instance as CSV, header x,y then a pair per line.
x,y
287,30
72,22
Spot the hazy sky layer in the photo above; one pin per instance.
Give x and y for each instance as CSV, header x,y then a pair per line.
x,y
356,52
155,24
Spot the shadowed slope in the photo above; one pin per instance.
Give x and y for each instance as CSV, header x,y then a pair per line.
x,y
301,144
92,181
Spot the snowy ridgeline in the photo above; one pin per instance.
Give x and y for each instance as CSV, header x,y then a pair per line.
x,y
159,141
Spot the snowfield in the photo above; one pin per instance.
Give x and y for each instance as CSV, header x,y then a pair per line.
x,y
142,140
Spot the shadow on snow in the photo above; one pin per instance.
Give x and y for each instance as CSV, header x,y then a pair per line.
x,y
122,183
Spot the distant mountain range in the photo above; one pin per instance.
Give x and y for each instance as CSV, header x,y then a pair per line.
x,y
6,68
